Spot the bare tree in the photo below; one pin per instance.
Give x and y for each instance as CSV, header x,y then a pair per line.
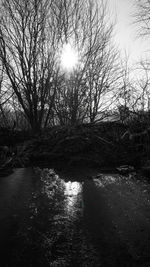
x,y
82,93
32,34
142,18
5,96
28,53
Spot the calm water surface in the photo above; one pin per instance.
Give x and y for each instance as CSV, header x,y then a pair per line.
x,y
61,220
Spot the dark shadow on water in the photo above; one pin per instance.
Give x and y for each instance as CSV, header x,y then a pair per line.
x,y
98,222
77,173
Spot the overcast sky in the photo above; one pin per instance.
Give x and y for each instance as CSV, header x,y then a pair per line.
x,y
126,31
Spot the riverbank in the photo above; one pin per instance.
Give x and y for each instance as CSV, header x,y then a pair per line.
x,y
99,145
106,145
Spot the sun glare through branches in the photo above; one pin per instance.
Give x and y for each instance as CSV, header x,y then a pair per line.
x,y
69,57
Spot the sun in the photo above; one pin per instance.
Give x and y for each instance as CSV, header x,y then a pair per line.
x,y
69,57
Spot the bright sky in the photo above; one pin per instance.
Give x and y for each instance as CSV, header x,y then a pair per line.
x,y
126,32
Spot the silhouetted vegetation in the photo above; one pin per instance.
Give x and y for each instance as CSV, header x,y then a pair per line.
x,y
105,144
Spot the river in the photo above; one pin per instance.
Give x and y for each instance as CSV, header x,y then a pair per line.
x,y
74,218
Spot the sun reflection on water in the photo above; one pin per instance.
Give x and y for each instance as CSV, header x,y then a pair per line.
x,y
72,188
72,193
